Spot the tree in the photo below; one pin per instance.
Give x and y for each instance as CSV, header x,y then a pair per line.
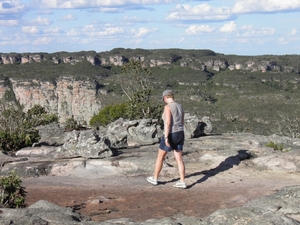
x,y
288,125
137,87
136,79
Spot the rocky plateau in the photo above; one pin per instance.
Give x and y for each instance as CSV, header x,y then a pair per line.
x,y
98,177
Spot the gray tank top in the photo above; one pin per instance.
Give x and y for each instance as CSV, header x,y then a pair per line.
x,y
177,112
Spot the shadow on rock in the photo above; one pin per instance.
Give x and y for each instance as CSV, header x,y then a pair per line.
x,y
227,164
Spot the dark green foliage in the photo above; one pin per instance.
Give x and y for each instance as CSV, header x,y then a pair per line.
x,y
38,115
109,114
17,129
12,194
13,141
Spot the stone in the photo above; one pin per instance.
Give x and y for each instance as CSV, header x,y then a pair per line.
x,y
278,208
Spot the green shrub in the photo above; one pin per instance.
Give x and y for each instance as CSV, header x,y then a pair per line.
x,y
12,194
13,141
17,129
271,144
127,110
38,115
109,114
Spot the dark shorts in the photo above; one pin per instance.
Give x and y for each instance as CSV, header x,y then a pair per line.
x,y
176,141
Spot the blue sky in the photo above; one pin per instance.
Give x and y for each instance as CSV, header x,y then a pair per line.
x,y
241,27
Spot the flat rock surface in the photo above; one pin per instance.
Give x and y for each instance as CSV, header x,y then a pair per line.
x,y
117,187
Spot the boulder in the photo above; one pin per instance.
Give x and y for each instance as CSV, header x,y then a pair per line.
x,y
51,134
279,208
86,144
42,212
195,128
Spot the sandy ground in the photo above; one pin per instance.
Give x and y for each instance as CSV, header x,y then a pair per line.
x,y
123,196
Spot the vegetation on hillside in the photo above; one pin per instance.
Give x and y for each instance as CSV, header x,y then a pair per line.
x,y
235,100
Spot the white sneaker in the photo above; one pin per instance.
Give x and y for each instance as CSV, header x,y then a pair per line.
x,y
152,180
180,184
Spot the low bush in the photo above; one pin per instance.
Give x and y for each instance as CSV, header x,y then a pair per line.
x,y
17,129
12,194
271,144
109,114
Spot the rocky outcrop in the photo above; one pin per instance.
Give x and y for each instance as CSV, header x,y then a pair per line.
x,y
279,208
67,97
195,59
219,151
105,141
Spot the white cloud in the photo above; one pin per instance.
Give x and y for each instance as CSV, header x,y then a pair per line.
x,y
228,27
15,41
98,3
73,32
92,30
160,42
199,12
251,32
110,10
134,19
9,23
294,31
69,17
53,30
95,31
243,40
198,29
282,41
30,29
42,41
111,31
41,21
136,42
142,32
250,6
11,7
